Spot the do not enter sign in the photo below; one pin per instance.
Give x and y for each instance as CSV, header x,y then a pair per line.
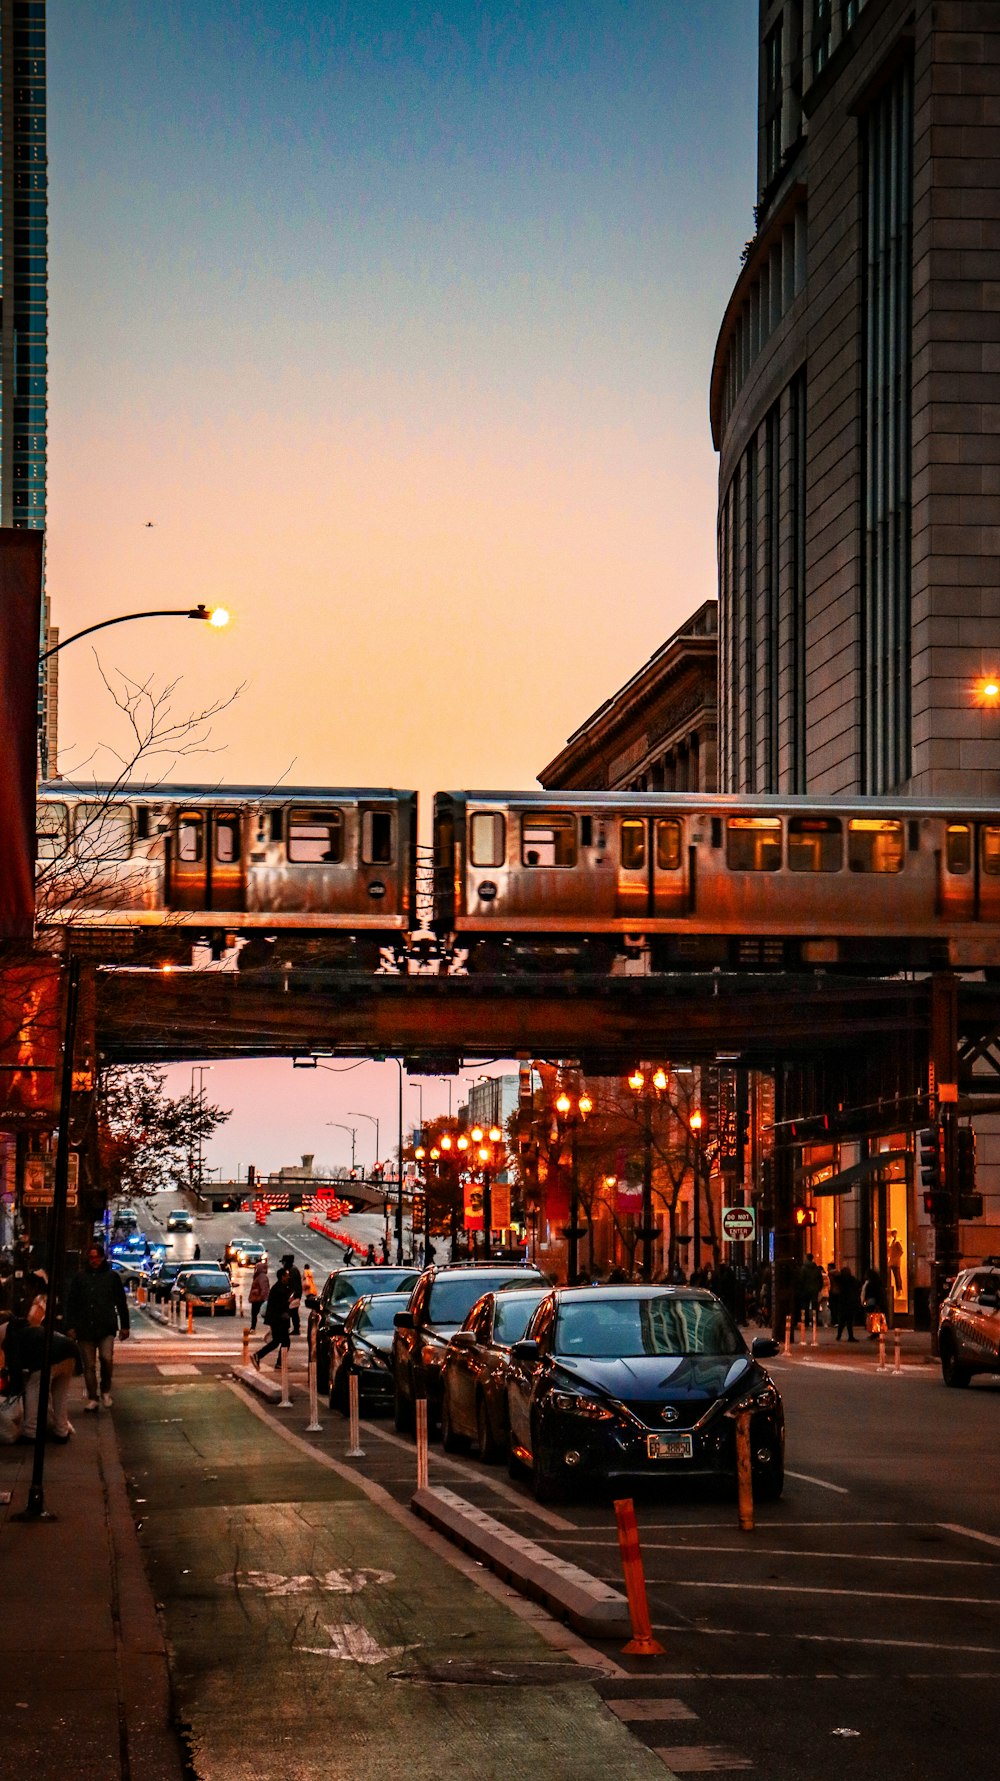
x,y
738,1224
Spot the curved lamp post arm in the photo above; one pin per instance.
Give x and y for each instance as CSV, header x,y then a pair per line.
x,y
208,615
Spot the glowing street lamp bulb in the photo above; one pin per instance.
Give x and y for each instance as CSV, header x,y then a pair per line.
x,y
636,1080
586,1105
476,1134
435,1153
483,1154
611,1181
660,1080
696,1121
420,1153
495,1134
991,690
463,1142
219,617
564,1103
446,1142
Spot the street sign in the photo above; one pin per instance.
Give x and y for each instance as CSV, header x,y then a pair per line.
x,y
40,1180
738,1224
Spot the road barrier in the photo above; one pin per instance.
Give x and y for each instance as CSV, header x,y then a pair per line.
x,y
190,1318
642,1642
744,1473
355,1449
815,1330
313,1425
286,1401
246,1346
897,1364
421,1443
881,1366
788,1336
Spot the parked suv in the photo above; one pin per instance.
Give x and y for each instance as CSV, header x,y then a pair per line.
x,y
439,1304
329,1312
969,1325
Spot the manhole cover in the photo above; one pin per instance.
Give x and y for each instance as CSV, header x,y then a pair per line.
x,y
497,1675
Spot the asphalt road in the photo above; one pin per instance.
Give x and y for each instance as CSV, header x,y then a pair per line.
x,y
855,1632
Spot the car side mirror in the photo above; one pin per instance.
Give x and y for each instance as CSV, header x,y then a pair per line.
x,y
524,1353
988,1301
464,1339
403,1320
763,1347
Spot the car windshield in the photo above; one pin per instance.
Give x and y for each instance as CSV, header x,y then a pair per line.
x,y
452,1298
206,1282
353,1283
169,1268
379,1313
628,1328
510,1319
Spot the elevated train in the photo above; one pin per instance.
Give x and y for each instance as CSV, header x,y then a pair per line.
x,y
527,880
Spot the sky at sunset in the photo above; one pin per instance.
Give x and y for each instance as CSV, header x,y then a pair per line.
x,y
397,320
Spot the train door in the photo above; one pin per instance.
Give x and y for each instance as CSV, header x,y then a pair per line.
x,y
957,881
989,872
669,867
207,864
379,842
634,870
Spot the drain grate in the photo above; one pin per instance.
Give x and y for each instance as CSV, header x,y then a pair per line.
x,y
494,1675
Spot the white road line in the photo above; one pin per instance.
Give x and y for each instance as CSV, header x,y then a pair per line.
x,y
821,1483
970,1533
741,1632
884,1595
476,1474
175,1372
749,1549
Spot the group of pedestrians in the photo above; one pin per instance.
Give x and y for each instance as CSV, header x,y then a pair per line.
x,y
95,1314
281,1301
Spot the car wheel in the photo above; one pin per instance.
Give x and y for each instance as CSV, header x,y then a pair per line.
x,y
403,1413
450,1441
487,1447
952,1371
339,1399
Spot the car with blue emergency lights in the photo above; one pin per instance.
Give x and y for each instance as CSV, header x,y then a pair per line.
x,y
622,1384
969,1324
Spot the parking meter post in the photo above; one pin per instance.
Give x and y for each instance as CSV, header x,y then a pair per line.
x,y
421,1408
744,1474
246,1345
355,1450
286,1401
642,1642
312,1426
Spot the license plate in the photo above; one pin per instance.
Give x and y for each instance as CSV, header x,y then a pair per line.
x,y
668,1447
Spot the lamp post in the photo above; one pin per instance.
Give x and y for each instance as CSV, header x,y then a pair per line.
x,y
354,1113
487,1147
216,616
647,1087
571,1113
201,1071
353,1130
695,1127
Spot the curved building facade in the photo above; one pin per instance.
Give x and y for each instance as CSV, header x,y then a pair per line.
x,y
855,401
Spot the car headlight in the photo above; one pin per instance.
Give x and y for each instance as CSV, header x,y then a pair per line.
x,y
570,1403
762,1400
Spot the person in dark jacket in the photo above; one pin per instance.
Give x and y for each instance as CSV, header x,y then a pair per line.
x,y
849,1303
277,1318
294,1290
96,1312
24,1346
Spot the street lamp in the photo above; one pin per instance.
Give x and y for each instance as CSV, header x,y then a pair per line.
x,y
354,1135
647,1088
216,616
572,1113
487,1146
695,1125
355,1113
201,1071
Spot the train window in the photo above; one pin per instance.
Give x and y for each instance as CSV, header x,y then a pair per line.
x,y
191,838
51,831
990,851
815,844
633,843
874,845
315,836
959,847
227,838
668,844
142,822
276,834
753,843
101,832
549,839
376,838
489,838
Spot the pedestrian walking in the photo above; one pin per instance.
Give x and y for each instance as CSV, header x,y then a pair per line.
x,y
260,1286
97,1312
849,1303
833,1277
294,1290
277,1317
371,1259
308,1282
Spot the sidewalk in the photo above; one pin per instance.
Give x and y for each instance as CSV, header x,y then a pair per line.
x,y
84,1689
914,1347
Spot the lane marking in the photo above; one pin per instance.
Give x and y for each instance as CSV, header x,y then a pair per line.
x,y
741,1632
477,1476
970,1533
884,1595
175,1372
751,1551
821,1483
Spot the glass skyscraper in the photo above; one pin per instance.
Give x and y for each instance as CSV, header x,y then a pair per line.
x,y
23,294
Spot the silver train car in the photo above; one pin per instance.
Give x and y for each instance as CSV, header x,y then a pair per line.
x,y
153,869
527,880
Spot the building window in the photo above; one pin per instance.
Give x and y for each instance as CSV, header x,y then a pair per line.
x,y
887,137
797,640
771,598
750,625
773,90
822,34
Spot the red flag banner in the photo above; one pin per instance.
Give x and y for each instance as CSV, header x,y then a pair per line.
x,y
20,608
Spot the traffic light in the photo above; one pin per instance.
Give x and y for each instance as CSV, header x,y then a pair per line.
x,y
937,1204
930,1144
803,1216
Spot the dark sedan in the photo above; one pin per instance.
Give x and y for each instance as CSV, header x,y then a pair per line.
x,y
439,1304
329,1312
162,1282
619,1384
474,1383
364,1347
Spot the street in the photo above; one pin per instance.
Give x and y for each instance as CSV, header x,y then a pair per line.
x,y
855,1629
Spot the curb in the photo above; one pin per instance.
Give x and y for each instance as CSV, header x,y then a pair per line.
x,y
265,1388
591,1607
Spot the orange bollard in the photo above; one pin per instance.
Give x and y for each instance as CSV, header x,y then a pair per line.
x,y
190,1318
788,1336
744,1473
642,1642
246,1345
